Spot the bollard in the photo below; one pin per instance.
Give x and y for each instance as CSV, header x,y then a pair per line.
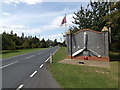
x,y
51,57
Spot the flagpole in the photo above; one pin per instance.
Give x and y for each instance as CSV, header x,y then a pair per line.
x,y
109,23
65,24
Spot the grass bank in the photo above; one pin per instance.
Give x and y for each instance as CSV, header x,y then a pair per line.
x,y
10,53
74,76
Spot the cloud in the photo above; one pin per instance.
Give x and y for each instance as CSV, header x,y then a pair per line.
x,y
55,36
28,2
47,24
31,18
6,14
19,29
18,26
56,23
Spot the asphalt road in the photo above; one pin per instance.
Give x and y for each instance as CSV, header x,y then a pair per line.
x,y
28,70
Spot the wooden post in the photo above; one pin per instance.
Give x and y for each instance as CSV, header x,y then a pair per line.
x,y
51,57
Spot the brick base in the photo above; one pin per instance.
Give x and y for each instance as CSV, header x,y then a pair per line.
x,y
103,58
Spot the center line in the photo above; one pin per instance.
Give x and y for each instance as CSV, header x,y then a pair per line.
x,y
8,64
30,57
40,53
33,74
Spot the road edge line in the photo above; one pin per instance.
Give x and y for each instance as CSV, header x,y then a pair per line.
x,y
20,87
33,74
47,59
41,65
56,51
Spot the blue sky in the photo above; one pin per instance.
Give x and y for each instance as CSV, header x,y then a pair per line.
x,y
35,17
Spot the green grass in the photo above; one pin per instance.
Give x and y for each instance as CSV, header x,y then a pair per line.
x,y
10,53
74,76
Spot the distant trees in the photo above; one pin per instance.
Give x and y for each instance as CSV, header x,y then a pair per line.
x,y
8,42
12,41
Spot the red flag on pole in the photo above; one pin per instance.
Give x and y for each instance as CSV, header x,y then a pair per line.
x,y
63,21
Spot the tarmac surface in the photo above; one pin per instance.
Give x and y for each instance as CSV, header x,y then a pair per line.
x,y
28,70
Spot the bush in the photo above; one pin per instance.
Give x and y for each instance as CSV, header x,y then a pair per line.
x,y
115,47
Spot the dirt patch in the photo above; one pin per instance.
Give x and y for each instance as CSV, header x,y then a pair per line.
x,y
103,64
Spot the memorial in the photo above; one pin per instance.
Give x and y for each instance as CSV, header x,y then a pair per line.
x,y
88,44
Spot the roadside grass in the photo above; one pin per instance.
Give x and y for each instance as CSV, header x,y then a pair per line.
x,y
78,76
10,53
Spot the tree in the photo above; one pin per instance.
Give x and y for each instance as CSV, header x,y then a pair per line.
x,y
43,43
92,16
83,18
22,35
55,43
49,43
35,40
113,21
7,42
25,45
11,32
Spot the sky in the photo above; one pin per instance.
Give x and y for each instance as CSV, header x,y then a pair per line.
x,y
37,18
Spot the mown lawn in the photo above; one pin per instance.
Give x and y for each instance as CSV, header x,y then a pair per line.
x,y
74,76
10,53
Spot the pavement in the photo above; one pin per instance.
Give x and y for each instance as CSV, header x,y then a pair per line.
x,y
28,71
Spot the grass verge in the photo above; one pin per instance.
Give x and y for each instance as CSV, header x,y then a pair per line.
x,y
74,76
10,53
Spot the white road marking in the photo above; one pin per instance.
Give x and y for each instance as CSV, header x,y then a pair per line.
x,y
20,87
30,57
8,64
33,74
47,59
55,51
41,65
40,53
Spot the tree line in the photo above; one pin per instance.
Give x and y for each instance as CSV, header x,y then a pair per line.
x,y
12,41
96,15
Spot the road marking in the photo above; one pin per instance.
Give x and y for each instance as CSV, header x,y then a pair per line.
x,y
20,87
30,57
47,59
41,65
55,51
8,64
33,74
40,53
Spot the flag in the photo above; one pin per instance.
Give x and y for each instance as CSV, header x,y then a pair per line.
x,y
63,21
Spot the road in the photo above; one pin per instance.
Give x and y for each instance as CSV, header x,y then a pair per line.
x,y
28,70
